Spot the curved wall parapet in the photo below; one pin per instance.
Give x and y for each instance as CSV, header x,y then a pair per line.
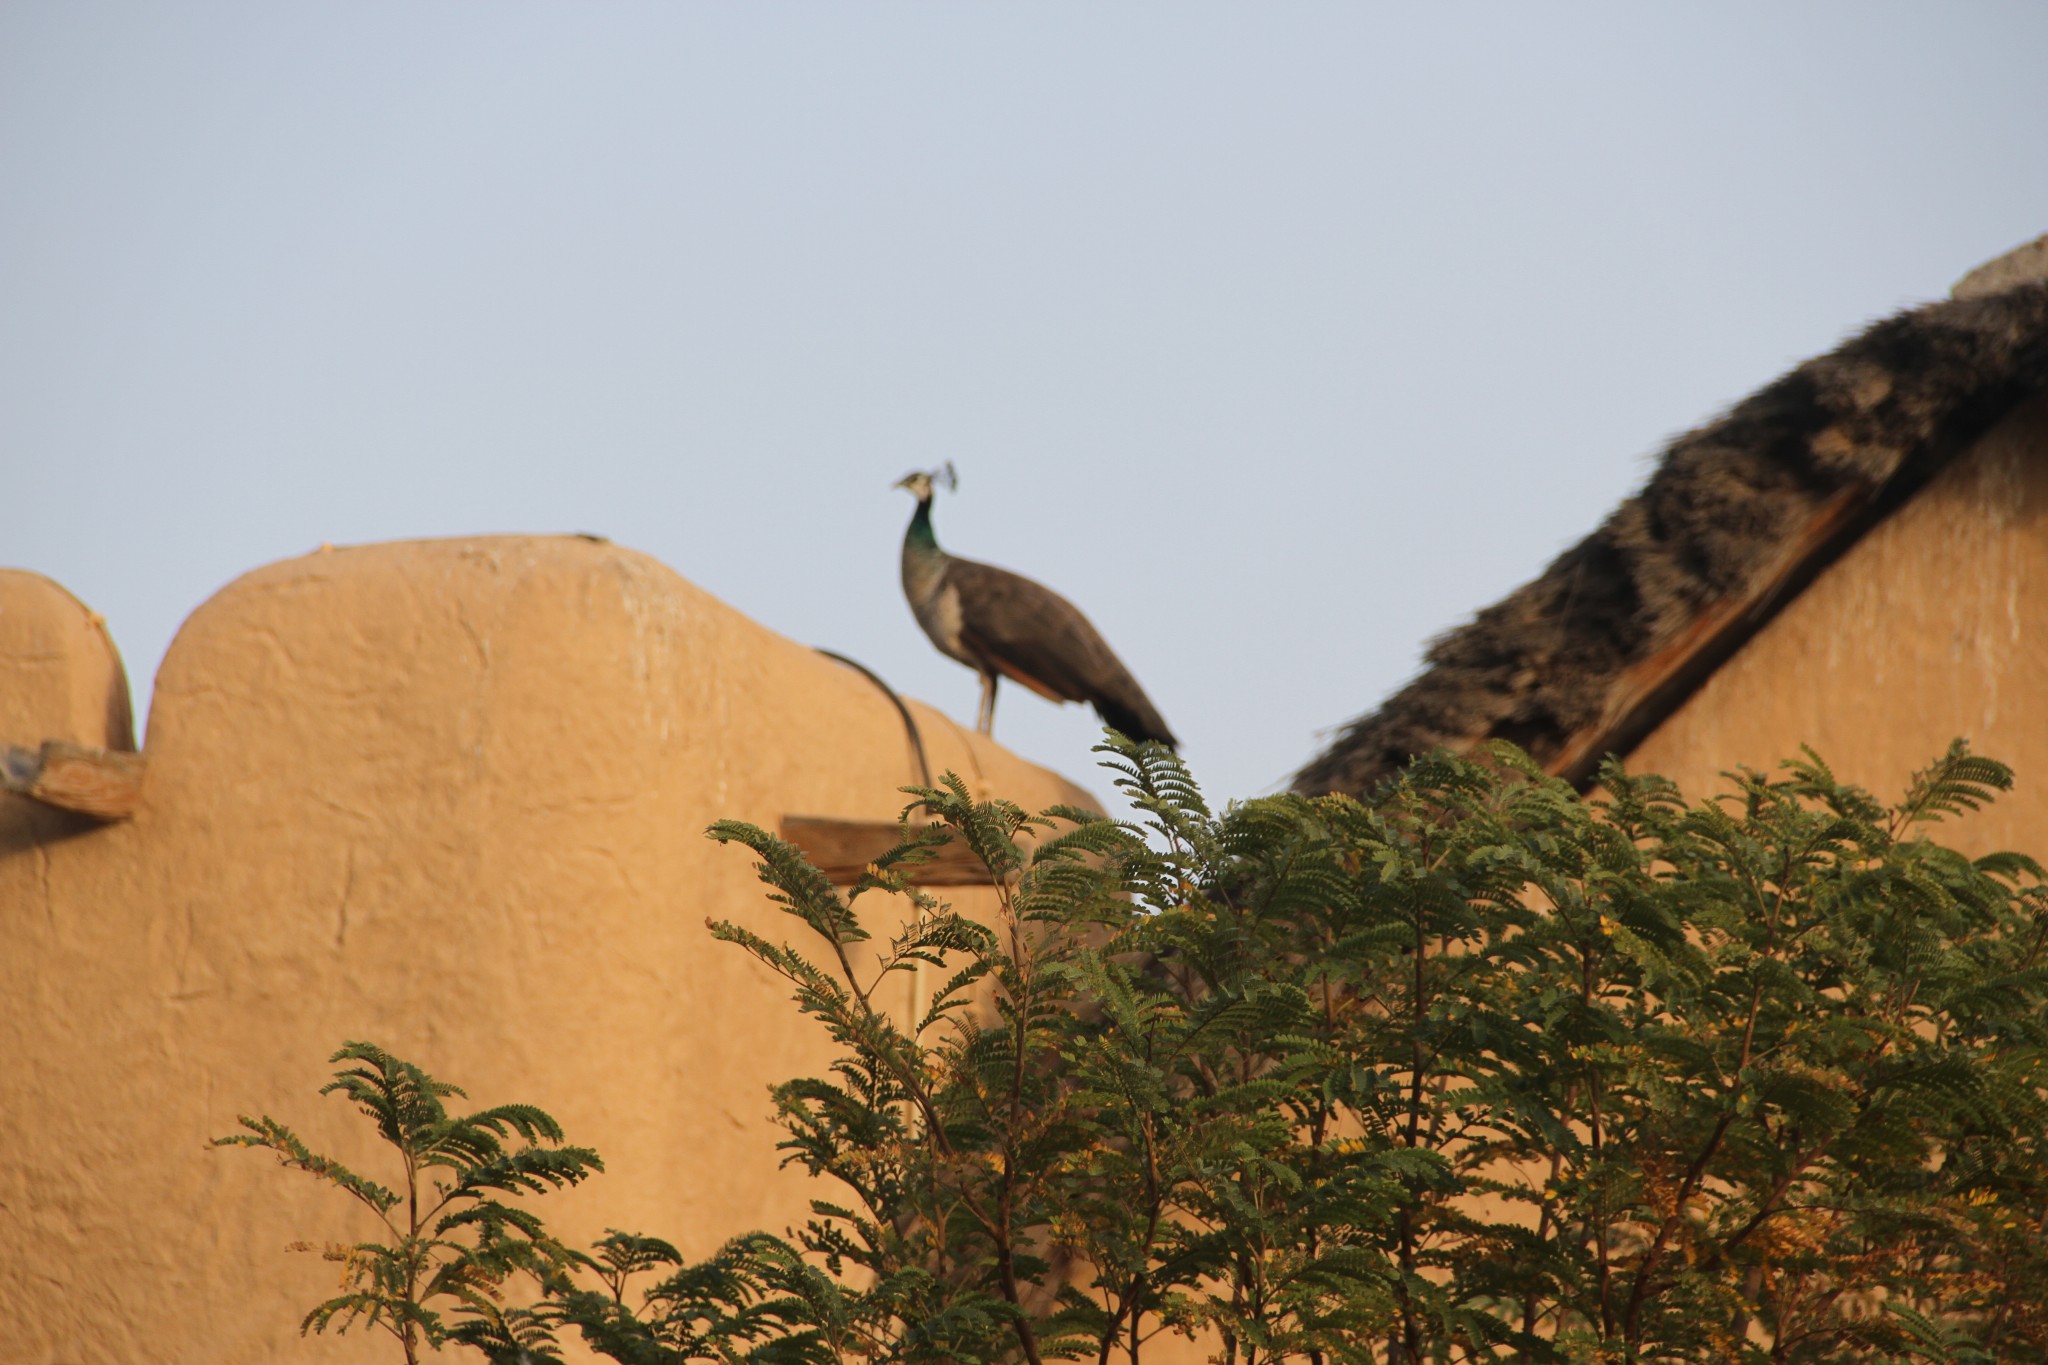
x,y
447,796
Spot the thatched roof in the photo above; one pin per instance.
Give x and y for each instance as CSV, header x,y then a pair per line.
x,y
1739,516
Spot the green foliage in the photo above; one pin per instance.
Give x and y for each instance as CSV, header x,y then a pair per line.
x,y
452,1243
1477,1069
755,1299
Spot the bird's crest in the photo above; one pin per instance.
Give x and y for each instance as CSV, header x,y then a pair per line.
x,y
922,481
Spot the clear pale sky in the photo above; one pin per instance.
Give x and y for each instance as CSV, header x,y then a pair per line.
x,y
1279,337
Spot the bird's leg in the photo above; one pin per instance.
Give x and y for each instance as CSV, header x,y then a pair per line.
x,y
986,720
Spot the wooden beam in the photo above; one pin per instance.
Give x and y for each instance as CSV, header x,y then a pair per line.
x,y
103,783
1647,694
842,850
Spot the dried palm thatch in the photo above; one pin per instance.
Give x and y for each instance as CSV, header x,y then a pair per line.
x,y
1738,517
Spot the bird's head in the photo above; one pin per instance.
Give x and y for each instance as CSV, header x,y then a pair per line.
x,y
920,482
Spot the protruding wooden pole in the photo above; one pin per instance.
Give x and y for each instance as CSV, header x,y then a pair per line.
x,y
102,783
842,850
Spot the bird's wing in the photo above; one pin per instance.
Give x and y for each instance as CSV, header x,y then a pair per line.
x,y
1029,633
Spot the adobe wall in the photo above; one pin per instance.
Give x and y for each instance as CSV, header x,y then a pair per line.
x,y
62,675
1932,626
446,796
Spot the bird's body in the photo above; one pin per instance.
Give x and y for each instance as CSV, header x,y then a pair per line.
x,y
1003,625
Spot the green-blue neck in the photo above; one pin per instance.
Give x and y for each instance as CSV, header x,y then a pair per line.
x,y
920,536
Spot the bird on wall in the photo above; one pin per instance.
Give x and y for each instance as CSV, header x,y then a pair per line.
x,y
1003,625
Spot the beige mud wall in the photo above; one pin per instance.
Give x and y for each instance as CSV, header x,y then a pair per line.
x,y
445,796
1933,626
60,675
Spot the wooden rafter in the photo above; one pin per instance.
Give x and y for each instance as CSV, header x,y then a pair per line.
x,y
842,850
1646,695
103,783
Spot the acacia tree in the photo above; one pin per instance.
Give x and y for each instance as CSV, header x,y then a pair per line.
x,y
1474,1066
453,1243
1474,1069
